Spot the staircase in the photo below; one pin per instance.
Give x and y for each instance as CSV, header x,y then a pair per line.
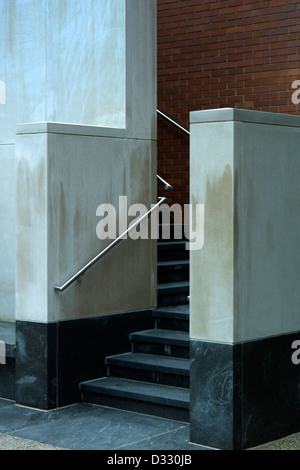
x,y
153,378
172,267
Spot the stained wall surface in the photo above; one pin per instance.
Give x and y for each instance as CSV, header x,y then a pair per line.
x,y
245,280
87,63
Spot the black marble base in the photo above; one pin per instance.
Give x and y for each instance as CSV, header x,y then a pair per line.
x,y
244,395
36,364
52,359
7,379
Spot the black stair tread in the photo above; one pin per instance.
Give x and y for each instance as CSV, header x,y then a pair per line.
x,y
178,285
172,250
161,336
170,244
176,311
170,263
173,225
151,362
144,391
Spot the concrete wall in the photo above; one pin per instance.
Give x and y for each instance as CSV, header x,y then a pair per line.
x,y
245,281
85,62
70,67
7,227
244,284
72,170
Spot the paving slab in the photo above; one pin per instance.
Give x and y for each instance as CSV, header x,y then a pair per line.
x,y
92,427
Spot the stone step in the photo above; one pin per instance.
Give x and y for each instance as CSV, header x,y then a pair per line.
x,y
172,293
162,342
158,400
173,232
150,368
173,271
172,318
172,251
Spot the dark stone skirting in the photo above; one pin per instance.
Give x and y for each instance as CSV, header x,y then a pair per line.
x,y
7,379
53,358
243,395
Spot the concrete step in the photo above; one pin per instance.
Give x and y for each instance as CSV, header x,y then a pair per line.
x,y
158,400
150,368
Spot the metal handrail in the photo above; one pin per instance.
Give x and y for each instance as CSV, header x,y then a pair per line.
x,y
83,270
168,186
173,122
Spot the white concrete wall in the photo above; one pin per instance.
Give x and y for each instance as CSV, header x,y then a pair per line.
x,y
245,280
7,237
87,62
70,67
211,184
141,74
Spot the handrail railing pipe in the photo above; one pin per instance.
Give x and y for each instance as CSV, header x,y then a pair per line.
x,y
168,186
173,122
83,270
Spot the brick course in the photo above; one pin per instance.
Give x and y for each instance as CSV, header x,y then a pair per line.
x,y
215,54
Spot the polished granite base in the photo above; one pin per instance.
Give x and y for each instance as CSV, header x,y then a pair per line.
x,y
244,395
52,359
7,378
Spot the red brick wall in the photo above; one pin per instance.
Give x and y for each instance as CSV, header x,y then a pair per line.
x,y
215,54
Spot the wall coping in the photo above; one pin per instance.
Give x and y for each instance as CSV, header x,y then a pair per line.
x,y
244,115
49,127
